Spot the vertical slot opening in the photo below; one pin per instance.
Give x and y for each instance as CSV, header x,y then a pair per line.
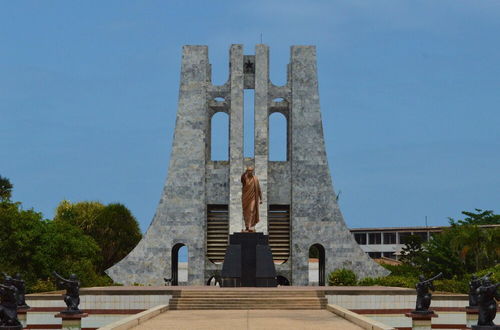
x,y
219,136
248,123
277,137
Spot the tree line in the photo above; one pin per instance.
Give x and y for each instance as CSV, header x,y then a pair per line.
x,y
84,238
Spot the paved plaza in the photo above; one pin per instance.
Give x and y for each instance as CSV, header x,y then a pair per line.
x,y
247,319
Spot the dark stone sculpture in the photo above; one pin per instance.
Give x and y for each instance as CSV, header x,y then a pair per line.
x,y
72,296
423,294
474,284
487,293
8,306
18,282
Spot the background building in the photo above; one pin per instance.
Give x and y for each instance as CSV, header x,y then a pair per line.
x,y
389,241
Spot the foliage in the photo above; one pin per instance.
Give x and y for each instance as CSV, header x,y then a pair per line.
x,y
5,189
342,277
397,281
43,286
463,248
402,270
412,249
117,234
36,247
113,227
452,285
313,252
479,218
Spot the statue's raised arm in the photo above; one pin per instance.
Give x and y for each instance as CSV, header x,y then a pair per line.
x,y
59,277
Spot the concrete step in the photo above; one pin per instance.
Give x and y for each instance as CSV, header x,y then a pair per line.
x,y
247,301
243,299
194,307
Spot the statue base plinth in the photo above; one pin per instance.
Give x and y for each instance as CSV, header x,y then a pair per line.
x,y
72,316
248,261
421,320
22,314
71,321
22,308
11,327
471,316
422,315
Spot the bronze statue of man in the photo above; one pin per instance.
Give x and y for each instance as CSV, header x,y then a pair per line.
x,y
251,197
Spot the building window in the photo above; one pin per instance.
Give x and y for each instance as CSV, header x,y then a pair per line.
x,y
422,235
389,255
374,238
389,238
360,238
403,237
375,254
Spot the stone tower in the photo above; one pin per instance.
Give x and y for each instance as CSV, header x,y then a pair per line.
x,y
201,201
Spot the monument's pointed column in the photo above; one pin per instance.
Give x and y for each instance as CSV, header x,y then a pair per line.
x,y
236,138
261,129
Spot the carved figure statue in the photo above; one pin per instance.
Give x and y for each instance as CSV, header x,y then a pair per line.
x,y
18,282
474,284
487,293
8,305
423,293
72,296
251,198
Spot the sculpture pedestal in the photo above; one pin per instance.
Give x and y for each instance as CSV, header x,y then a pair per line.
x,y
248,262
71,321
421,320
471,316
7,327
21,315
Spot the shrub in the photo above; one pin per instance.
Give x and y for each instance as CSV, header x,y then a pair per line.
x,y
342,277
43,286
368,281
453,285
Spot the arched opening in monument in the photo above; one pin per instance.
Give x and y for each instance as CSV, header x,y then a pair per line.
x,y
219,99
277,137
179,264
219,138
248,122
282,280
317,265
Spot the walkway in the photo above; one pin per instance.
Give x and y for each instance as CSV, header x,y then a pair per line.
x,y
246,320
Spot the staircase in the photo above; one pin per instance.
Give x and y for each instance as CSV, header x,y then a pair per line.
x,y
248,299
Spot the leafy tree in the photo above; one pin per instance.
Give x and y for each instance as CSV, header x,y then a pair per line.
x,y
35,247
463,248
113,227
412,249
479,218
5,189
83,214
117,234
438,255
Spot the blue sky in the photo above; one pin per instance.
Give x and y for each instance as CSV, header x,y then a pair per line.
x,y
410,96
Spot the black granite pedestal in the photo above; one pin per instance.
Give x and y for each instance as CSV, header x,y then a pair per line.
x,y
248,262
